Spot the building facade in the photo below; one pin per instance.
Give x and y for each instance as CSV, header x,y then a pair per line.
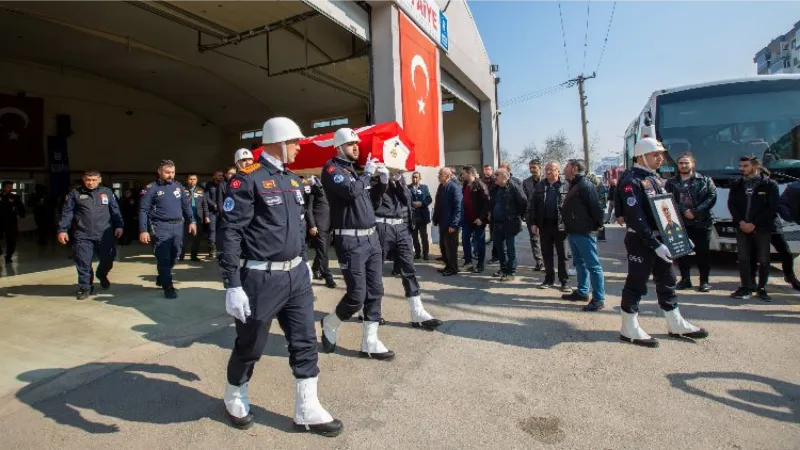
x,y
782,55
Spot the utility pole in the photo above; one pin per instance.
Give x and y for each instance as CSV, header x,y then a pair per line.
x,y
584,122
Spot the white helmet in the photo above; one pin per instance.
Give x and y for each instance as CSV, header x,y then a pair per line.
x,y
647,145
344,136
241,154
280,129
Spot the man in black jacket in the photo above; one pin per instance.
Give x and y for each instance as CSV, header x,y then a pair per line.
x,y
544,218
475,217
200,210
318,221
11,210
421,215
695,195
508,207
214,196
529,186
582,218
753,202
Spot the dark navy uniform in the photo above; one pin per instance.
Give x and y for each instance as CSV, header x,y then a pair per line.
x,y
214,198
358,247
318,215
199,205
92,215
391,202
263,252
163,211
641,241
11,210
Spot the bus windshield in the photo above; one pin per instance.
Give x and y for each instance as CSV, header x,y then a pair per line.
x,y
721,123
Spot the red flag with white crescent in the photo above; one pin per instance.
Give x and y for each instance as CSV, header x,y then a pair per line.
x,y
21,132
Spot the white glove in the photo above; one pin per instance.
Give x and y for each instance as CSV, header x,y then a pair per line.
x,y
398,177
371,165
383,172
663,252
237,304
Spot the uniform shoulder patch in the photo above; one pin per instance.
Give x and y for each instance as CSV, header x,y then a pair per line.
x,y
251,168
331,168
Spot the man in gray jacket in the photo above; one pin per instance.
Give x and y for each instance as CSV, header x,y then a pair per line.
x,y
528,187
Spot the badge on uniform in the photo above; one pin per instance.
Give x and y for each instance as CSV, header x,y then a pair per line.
x,y
235,184
268,184
160,193
295,183
331,169
274,201
83,197
338,178
228,204
104,199
299,196
307,189
177,192
631,201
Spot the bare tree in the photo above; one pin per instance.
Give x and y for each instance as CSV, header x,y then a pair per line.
x,y
558,148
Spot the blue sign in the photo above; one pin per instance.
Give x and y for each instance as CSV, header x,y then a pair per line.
x,y
59,165
443,39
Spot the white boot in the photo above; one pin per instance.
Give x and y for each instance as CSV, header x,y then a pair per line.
x,y
237,406
633,333
309,414
677,325
330,326
371,346
419,316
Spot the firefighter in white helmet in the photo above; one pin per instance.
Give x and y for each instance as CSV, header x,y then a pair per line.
x,y
265,274
357,244
243,158
647,254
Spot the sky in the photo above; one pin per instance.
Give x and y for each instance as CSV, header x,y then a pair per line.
x,y
652,45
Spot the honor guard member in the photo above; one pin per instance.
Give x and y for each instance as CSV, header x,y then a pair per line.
x,y
318,218
647,254
163,211
11,209
391,199
265,276
91,211
357,246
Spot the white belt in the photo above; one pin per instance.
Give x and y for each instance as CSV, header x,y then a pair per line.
x,y
283,266
345,232
389,221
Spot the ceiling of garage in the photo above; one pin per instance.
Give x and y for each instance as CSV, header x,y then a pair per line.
x,y
153,46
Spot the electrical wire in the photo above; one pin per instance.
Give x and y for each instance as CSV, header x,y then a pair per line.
x,y
564,37
586,36
537,94
608,31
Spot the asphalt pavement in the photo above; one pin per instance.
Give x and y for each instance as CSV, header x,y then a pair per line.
x,y
512,367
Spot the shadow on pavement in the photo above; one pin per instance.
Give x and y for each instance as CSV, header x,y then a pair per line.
x,y
760,403
130,395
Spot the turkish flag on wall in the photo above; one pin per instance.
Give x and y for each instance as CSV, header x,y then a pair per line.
x,y
419,74
21,132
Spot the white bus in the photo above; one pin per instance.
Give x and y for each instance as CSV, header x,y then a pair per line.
x,y
720,122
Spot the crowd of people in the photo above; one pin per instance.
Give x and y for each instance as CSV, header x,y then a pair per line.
x,y
260,217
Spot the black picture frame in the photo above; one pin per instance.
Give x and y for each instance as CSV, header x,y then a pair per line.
x,y
670,225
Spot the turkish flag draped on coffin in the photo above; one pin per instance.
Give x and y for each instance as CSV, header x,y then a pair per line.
x,y
419,74
385,141
21,132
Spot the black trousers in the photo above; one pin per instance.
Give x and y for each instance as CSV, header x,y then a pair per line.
x,y
448,242
192,241
287,296
321,243
778,241
536,245
701,238
642,262
11,233
552,241
361,261
756,244
85,249
397,239
420,233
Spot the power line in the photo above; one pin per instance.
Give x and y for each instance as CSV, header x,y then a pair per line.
x,y
564,37
610,21
540,93
586,36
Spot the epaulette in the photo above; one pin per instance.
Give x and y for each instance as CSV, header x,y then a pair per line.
x,y
150,185
251,168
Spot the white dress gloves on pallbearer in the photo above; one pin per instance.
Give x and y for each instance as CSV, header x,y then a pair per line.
x,y
383,172
237,304
663,252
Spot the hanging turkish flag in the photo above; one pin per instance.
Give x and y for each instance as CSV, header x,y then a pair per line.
x,y
21,132
419,74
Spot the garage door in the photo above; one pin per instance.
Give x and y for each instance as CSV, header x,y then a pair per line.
x,y
454,87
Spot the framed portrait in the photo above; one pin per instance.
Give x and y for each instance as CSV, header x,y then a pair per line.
x,y
670,225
